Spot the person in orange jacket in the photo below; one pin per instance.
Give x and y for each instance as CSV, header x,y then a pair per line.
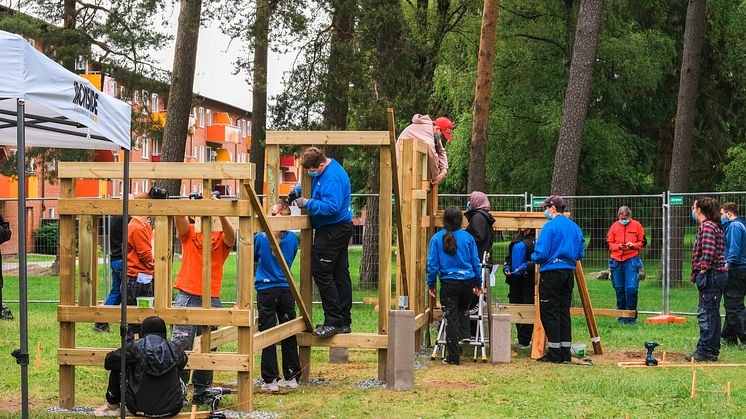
x,y
625,240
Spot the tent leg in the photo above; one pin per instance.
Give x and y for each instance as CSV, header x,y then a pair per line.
x,y
21,354
123,284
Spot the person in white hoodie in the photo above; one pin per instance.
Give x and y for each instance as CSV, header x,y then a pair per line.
x,y
423,128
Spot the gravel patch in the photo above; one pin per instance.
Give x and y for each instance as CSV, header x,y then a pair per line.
x,y
420,365
370,384
77,410
315,382
232,414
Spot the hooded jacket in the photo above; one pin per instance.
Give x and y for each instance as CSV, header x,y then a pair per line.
x,y
154,388
480,227
422,129
460,266
735,244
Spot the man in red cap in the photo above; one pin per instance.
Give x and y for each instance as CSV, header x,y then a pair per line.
x,y
423,128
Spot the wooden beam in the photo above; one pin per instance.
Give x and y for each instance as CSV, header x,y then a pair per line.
x,y
503,220
419,194
604,312
278,333
351,138
384,249
423,319
154,207
88,261
245,287
67,294
519,313
401,259
213,361
289,222
306,277
219,337
350,340
272,174
159,170
590,319
162,256
173,315
206,226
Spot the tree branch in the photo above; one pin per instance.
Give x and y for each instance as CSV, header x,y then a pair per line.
x,y
542,39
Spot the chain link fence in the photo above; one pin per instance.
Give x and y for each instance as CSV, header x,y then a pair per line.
x,y
664,286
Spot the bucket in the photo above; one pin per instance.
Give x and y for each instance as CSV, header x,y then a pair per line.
x,y
578,350
146,302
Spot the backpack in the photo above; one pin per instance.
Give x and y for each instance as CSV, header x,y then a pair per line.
x,y
5,233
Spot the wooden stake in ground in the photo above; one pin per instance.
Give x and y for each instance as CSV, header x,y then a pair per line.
x,y
38,355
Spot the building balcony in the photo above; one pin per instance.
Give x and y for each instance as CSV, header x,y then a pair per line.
x,y
222,134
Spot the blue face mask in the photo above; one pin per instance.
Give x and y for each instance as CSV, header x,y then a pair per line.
x,y
724,220
313,174
468,206
624,221
694,216
546,214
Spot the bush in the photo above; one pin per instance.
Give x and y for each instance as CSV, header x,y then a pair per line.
x,y
47,238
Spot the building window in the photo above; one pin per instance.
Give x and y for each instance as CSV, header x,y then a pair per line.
x,y
137,188
209,118
194,188
81,64
201,154
230,156
156,148
248,128
51,212
154,102
201,188
183,190
135,97
121,92
144,185
31,42
243,128
201,117
209,156
194,152
144,96
144,148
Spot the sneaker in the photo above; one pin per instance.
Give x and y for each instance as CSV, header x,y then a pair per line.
x,y
5,313
447,361
271,387
632,322
522,346
622,320
291,383
101,327
546,358
107,410
326,331
345,329
701,358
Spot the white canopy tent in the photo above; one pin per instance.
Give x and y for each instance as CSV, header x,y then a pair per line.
x,y
52,107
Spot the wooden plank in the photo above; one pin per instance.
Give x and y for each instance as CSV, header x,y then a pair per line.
x,y
405,200
278,333
280,258
590,319
503,220
154,207
289,222
421,147
206,225
349,340
604,312
86,255
519,313
213,361
173,315
219,337
162,256
419,194
159,170
539,337
384,250
272,175
246,300
306,277
422,320
396,166
358,138
67,294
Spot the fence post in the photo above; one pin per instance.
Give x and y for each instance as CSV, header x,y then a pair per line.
x,y
667,255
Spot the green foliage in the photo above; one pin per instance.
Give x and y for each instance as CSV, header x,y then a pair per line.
x,y
734,172
46,238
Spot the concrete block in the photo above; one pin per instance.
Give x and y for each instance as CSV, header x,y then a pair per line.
x,y
500,338
339,355
400,351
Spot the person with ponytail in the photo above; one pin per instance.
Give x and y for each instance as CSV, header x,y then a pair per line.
x,y
453,259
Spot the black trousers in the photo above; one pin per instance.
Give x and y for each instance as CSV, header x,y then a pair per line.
x,y
278,304
331,272
134,290
521,291
735,312
455,297
555,297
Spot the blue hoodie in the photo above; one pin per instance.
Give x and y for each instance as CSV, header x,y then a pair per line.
x,y
268,271
560,245
735,244
330,197
462,265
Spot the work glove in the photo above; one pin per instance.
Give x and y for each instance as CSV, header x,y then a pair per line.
x,y
301,202
292,196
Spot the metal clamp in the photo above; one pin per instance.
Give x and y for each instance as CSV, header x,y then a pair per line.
x,y
21,358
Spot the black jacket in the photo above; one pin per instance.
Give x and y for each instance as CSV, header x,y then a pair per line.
x,y
480,227
153,385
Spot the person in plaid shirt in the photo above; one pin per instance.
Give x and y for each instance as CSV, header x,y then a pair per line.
x,y
709,274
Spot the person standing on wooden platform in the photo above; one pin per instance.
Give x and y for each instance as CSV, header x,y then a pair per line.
x,y
423,128
559,246
331,218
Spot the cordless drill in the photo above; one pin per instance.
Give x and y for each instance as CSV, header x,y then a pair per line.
x,y
650,346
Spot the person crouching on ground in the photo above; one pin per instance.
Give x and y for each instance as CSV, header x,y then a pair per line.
x,y
709,274
275,303
154,388
625,241
453,258
189,284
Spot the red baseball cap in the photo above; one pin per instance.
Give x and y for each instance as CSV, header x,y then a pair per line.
x,y
446,126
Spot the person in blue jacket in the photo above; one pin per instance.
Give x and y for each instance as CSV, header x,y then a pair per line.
x,y
331,217
453,258
734,328
275,303
559,246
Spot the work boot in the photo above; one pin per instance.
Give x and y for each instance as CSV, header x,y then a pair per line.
x,y
701,358
101,327
326,331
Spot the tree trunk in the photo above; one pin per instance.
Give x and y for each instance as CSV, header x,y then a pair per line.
x,y
577,97
259,94
369,261
482,96
68,24
180,93
339,69
686,112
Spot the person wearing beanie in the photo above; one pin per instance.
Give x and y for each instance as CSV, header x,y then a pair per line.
x,y
154,388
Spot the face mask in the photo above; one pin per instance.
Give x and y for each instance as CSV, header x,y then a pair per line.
x,y
724,220
694,216
313,174
468,206
624,221
437,137
546,214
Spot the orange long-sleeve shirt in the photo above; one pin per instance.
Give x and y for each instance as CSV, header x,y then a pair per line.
x,y
620,234
140,248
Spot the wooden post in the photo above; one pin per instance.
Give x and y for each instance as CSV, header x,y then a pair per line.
x,y
539,339
245,287
272,173
306,278
405,200
206,266
590,319
67,294
384,251
401,257
162,256
88,265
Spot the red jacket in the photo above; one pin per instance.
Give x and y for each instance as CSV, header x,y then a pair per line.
x,y
620,234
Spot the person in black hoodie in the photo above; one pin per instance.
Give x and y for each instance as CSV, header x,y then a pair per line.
x,y
480,227
5,234
519,275
154,388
